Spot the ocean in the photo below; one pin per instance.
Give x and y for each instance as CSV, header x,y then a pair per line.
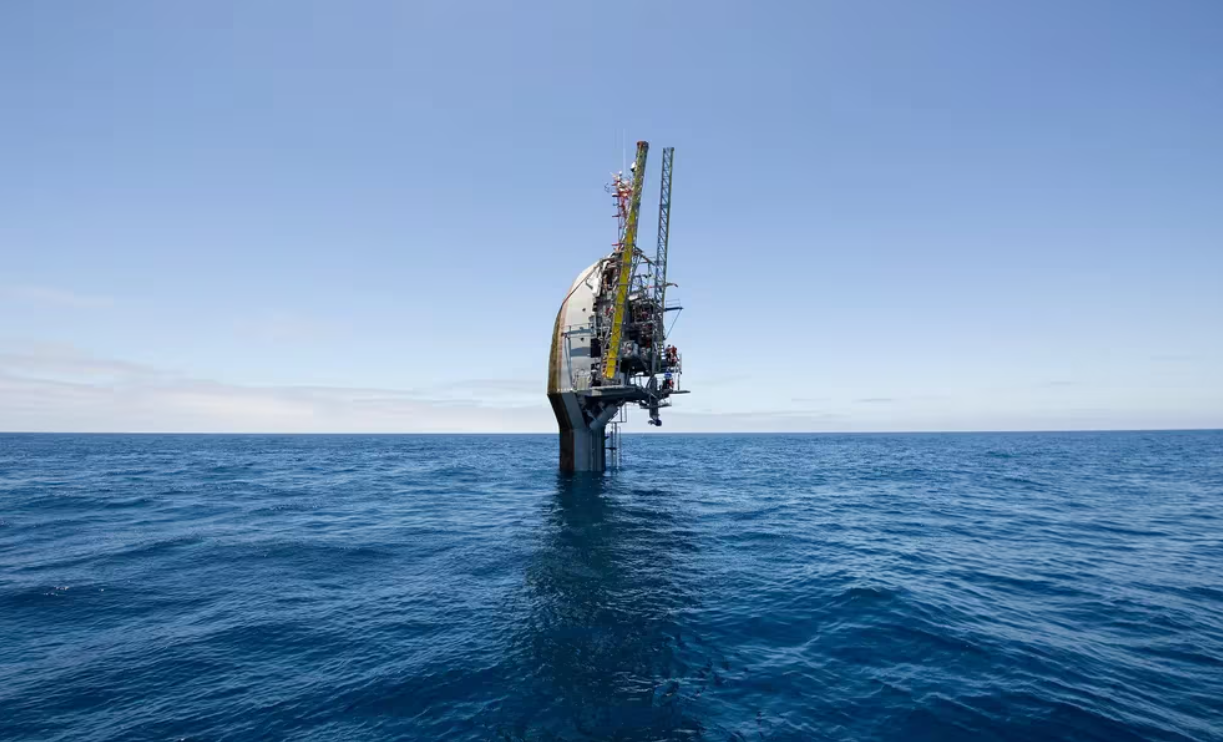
x,y
1012,586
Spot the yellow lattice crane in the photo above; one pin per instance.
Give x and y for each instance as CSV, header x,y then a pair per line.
x,y
628,248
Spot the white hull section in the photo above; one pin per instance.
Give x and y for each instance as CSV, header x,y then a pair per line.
x,y
580,418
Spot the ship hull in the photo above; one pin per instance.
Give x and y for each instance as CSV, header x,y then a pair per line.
x,y
581,443
580,418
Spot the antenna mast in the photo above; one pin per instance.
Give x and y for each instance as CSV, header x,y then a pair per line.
x,y
660,257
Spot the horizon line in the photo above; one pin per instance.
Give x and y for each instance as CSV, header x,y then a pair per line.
x,y
628,432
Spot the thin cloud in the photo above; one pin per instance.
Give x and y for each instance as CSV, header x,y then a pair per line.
x,y
754,414
58,361
287,327
875,400
1175,358
48,296
788,421
533,386
47,387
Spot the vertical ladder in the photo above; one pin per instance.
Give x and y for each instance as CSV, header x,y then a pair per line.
x,y
611,439
612,443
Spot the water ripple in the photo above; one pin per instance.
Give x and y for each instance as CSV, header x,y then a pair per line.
x,y
1008,587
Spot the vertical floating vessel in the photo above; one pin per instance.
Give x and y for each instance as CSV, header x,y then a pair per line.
x,y
609,343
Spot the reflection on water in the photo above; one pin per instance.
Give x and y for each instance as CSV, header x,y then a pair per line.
x,y
604,633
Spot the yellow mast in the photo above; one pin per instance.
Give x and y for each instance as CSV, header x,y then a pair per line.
x,y
628,247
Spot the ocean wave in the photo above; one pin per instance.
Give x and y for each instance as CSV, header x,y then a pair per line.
x,y
718,587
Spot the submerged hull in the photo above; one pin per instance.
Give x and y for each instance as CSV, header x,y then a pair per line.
x,y
581,444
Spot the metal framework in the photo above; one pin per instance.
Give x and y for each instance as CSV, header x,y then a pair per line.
x,y
610,344
660,259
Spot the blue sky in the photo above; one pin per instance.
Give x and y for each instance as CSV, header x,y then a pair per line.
x,y
296,216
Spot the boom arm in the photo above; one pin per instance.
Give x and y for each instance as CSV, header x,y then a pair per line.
x,y
611,354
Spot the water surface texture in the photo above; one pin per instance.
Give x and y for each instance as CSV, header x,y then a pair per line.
x,y
872,587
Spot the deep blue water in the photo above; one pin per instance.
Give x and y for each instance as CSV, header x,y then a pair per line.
x,y
873,587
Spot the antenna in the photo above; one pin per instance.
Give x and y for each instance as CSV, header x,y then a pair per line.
x,y
660,257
